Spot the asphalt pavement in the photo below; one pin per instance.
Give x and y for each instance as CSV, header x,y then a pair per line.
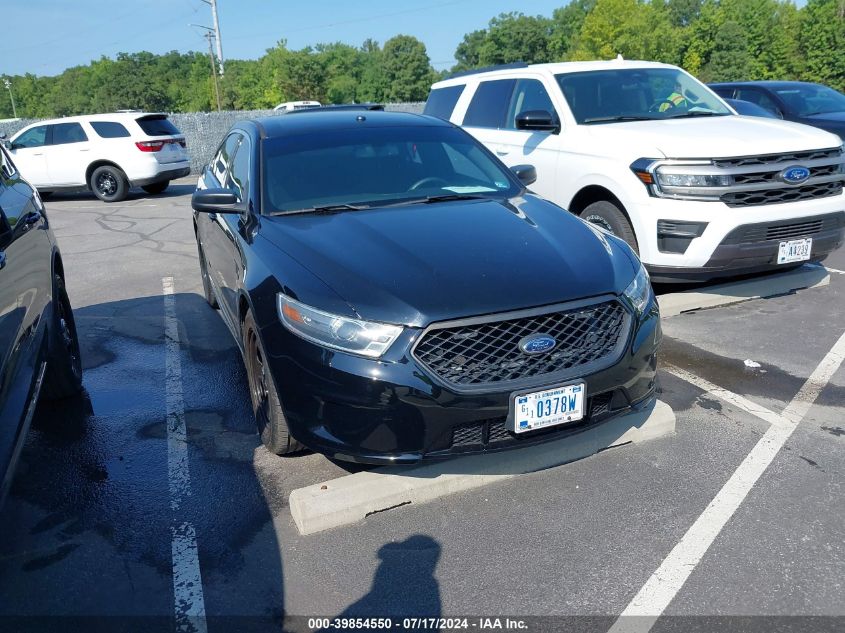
x,y
89,531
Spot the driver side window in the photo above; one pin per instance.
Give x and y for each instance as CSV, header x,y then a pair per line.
x,y
529,94
222,161
34,137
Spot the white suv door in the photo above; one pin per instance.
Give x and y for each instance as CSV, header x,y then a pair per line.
x,y
67,154
28,152
491,118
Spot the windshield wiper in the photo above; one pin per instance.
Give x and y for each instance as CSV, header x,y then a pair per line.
x,y
446,197
621,117
687,115
328,208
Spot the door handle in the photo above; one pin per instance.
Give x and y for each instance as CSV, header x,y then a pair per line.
x,y
85,149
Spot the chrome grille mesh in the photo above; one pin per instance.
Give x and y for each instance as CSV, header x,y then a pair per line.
x,y
488,353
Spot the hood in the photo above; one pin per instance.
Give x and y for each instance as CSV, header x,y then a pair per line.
x,y
416,264
833,117
711,137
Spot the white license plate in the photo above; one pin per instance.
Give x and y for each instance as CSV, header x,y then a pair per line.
x,y
541,409
795,251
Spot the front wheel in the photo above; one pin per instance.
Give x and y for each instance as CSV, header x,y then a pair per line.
x,y
109,183
156,187
64,362
272,424
610,217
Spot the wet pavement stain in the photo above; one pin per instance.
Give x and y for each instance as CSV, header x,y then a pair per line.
x,y
767,381
812,463
709,403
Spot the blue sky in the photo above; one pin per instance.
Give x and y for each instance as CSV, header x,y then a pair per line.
x,y
46,36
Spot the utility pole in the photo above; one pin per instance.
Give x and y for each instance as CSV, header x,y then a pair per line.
x,y
216,21
209,35
8,85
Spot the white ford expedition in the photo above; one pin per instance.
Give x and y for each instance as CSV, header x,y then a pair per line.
x,y
649,153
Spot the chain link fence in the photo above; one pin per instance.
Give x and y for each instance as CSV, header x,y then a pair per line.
x,y
204,130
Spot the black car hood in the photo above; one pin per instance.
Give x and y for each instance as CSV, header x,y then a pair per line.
x,y
430,262
833,117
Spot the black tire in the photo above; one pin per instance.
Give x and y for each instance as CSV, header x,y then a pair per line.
x,y
207,291
611,218
269,415
109,183
156,187
63,378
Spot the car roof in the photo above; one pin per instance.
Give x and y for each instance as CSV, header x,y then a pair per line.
x,y
554,68
320,120
114,116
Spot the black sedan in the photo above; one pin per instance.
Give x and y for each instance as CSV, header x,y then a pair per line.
x,y
398,294
39,350
799,101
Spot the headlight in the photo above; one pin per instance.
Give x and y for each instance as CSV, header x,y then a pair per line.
x,y
330,330
665,178
638,291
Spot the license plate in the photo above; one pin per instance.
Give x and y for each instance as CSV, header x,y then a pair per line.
x,y
550,407
795,251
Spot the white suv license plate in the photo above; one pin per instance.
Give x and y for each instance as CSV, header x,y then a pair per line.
x,y
551,407
795,251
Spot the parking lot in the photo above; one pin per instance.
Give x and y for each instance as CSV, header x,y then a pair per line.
x,y
113,516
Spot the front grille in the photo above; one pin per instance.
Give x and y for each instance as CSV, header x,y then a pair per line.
x,y
749,181
479,353
778,159
782,194
786,229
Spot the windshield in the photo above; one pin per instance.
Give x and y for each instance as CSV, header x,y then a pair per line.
x,y
809,99
373,166
637,94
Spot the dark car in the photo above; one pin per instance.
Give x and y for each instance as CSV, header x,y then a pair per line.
x,y
398,294
799,101
39,351
746,108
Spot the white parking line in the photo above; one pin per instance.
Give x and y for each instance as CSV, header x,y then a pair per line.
x,y
663,585
187,581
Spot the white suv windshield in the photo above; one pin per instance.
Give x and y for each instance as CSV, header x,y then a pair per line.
x,y
636,94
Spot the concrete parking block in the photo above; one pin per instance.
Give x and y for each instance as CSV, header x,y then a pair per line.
x,y
352,498
810,276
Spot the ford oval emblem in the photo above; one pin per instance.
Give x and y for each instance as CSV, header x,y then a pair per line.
x,y
537,343
794,175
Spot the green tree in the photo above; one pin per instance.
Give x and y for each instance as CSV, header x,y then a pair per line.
x,y
407,69
468,53
566,27
514,37
729,60
634,29
823,42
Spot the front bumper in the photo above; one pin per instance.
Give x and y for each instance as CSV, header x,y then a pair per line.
x,y
391,411
753,248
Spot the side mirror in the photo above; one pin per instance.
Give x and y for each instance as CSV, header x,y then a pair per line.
x,y
215,201
537,120
527,174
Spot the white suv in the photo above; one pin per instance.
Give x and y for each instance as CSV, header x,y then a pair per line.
x,y
652,155
106,153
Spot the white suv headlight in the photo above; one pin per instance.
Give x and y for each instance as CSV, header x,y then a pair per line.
x,y
665,178
364,338
638,291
